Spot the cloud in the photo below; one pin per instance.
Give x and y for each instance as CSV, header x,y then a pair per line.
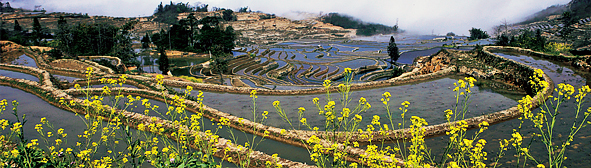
x,y
420,16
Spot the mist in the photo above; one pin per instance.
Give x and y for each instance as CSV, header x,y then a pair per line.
x,y
418,16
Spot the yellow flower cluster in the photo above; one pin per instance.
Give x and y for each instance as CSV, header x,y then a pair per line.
x,y
417,148
537,82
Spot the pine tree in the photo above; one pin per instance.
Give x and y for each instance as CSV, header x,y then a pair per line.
x,y
146,41
228,15
163,64
160,8
393,51
37,31
17,26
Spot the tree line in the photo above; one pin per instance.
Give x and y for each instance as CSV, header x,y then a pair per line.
x,y
168,13
187,36
95,39
23,36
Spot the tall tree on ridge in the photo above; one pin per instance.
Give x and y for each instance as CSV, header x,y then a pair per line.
x,y
393,51
163,64
37,31
17,26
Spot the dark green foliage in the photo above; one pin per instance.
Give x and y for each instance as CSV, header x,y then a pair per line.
x,y
527,39
393,51
503,40
96,39
146,41
243,9
397,71
17,26
37,31
163,63
62,34
228,15
450,34
476,34
266,16
220,65
88,39
55,54
62,21
567,20
365,29
213,38
161,39
186,36
168,14
123,44
18,35
580,8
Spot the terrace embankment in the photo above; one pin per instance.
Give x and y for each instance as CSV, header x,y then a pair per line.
x,y
482,65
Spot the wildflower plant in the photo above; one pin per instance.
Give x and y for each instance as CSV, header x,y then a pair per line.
x,y
545,121
339,124
244,160
153,142
24,153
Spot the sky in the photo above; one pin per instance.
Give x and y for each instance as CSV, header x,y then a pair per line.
x,y
415,16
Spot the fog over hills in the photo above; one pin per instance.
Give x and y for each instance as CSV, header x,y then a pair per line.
x,y
420,16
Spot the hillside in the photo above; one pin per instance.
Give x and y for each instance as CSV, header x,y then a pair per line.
x,y
262,28
253,27
363,28
551,22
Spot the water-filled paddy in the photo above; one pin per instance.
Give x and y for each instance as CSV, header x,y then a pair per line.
x,y
24,60
428,100
18,75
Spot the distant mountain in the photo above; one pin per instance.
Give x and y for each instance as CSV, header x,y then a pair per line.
x,y
580,8
363,28
542,15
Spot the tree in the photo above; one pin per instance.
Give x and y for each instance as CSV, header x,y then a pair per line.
x,y
503,40
62,21
193,26
160,8
393,51
476,34
17,26
146,41
37,31
163,63
63,35
201,8
228,15
243,10
123,48
228,40
567,20
220,65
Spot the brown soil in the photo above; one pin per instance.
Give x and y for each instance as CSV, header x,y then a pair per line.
x,y
68,66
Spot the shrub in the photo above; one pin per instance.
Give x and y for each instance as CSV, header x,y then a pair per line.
x,y
476,34
557,48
